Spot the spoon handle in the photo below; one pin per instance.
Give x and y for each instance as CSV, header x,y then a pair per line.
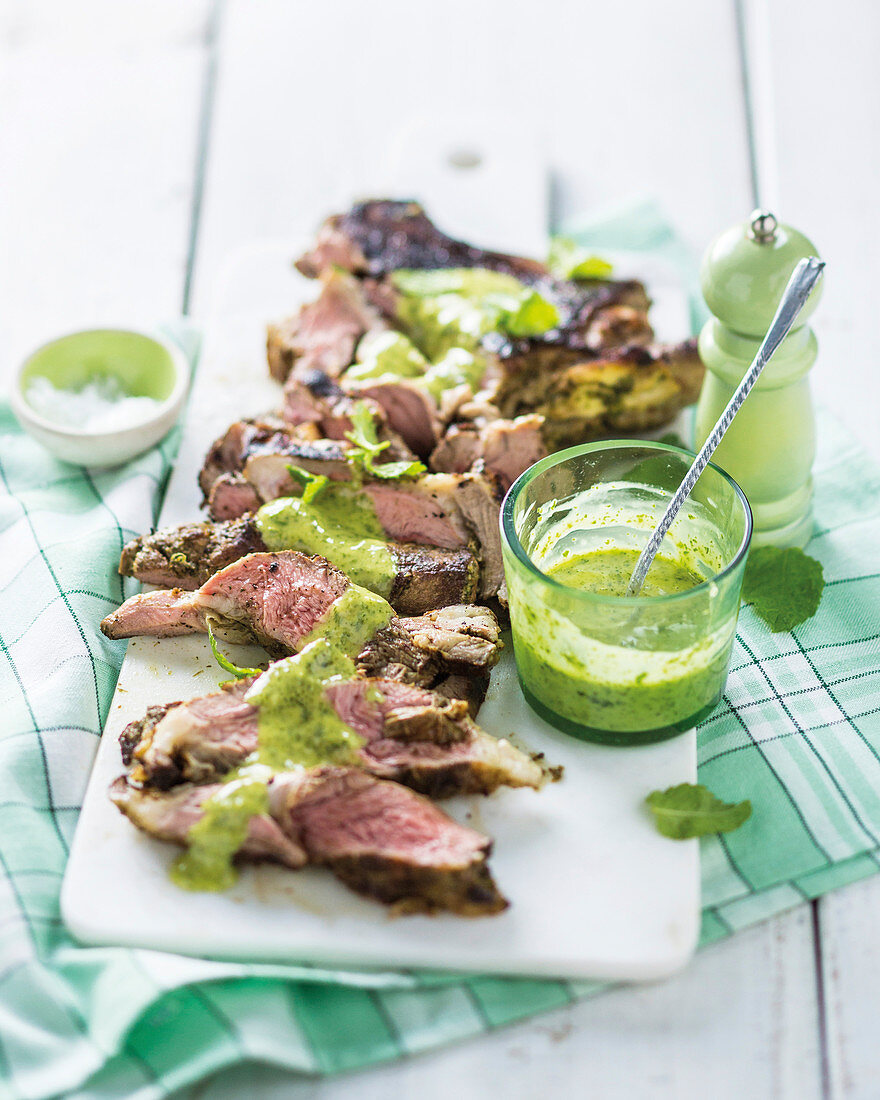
x,y
802,281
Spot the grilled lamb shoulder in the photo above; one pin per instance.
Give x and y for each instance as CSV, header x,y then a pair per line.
x,y
273,599
187,556
170,816
503,448
380,839
324,333
278,599
425,741
601,320
387,842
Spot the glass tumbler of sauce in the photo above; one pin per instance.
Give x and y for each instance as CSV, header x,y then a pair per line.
x,y
606,667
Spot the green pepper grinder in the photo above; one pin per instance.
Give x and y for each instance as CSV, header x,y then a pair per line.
x,y
770,446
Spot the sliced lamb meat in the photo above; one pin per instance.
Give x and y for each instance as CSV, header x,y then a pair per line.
x,y
324,333
506,447
227,454
313,397
278,599
186,556
409,410
386,842
200,740
458,450
162,614
425,649
231,496
428,743
466,636
274,599
425,741
137,731
169,816
471,689
479,499
424,511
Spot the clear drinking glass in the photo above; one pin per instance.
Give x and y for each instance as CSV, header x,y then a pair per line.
x,y
617,669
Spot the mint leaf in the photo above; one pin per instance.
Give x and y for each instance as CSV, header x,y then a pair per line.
x,y
569,260
783,585
225,663
312,483
533,316
368,447
690,810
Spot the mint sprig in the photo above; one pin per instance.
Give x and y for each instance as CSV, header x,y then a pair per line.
x,y
367,448
569,260
312,483
227,665
690,810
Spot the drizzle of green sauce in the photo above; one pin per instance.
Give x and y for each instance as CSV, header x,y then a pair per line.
x,y
352,619
608,572
458,367
390,355
297,727
214,839
341,525
456,307
383,353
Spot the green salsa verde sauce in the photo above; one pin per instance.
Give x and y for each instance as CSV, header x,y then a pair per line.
x,y
214,839
341,525
384,353
456,307
607,571
391,355
297,727
590,683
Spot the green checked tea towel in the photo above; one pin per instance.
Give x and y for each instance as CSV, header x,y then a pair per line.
x,y
798,733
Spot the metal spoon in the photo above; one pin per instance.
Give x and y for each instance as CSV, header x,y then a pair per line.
x,y
802,281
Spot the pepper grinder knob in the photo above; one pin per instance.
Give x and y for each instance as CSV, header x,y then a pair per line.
x,y
762,226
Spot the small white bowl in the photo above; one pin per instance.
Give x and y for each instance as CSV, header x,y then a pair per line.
x,y
144,363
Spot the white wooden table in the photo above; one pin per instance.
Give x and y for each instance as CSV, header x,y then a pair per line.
x,y
139,143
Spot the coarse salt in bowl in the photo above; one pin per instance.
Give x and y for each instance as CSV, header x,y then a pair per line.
x,y
101,396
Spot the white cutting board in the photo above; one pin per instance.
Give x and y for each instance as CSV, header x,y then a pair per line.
x,y
595,891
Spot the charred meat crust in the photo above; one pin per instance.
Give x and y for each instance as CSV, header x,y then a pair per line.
x,y
601,321
186,556
135,732
428,577
428,648
469,893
